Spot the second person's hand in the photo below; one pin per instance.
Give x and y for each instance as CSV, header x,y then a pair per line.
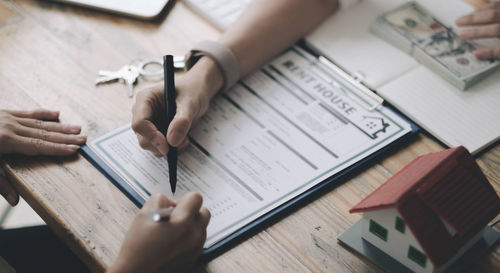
x,y
37,132
194,92
482,23
172,245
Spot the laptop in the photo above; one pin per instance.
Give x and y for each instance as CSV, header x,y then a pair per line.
x,y
144,9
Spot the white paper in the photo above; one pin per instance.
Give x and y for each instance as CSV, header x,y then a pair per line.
x,y
469,118
281,131
345,39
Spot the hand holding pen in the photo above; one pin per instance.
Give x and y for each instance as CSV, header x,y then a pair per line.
x,y
193,90
171,244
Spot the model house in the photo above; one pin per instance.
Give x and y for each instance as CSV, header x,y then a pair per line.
x,y
429,213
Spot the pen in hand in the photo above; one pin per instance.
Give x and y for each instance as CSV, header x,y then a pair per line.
x,y
171,108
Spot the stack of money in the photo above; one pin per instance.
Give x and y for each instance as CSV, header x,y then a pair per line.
x,y
414,30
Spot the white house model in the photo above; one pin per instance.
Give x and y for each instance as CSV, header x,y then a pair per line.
x,y
429,213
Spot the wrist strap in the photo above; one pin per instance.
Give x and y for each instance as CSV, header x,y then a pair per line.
x,y
223,57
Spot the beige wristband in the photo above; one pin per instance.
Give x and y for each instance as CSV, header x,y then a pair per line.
x,y
223,57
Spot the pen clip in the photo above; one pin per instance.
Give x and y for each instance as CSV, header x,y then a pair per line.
x,y
364,96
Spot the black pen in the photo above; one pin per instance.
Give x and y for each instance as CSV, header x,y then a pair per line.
x,y
171,108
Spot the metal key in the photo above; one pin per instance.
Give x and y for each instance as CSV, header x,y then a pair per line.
x,y
127,73
130,78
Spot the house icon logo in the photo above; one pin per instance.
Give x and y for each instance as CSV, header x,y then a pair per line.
x,y
373,126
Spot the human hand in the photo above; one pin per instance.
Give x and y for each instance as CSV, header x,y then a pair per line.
x,y
37,133
194,91
484,23
167,246
7,190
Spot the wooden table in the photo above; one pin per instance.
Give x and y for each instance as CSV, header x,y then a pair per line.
x,y
50,56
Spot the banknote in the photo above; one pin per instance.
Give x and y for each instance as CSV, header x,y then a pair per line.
x,y
418,32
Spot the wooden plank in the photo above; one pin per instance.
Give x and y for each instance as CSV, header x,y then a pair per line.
x,y
58,50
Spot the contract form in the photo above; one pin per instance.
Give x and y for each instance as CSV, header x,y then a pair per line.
x,y
274,135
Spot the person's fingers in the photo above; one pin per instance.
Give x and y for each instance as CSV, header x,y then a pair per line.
x,y
158,201
36,146
187,207
50,126
51,136
42,114
488,53
146,145
493,5
478,32
479,17
187,111
142,124
8,192
204,217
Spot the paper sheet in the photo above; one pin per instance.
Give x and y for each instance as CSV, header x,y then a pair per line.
x,y
279,132
469,118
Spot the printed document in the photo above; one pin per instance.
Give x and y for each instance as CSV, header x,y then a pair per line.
x,y
273,136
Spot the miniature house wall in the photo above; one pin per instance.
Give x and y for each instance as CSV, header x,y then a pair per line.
x,y
387,230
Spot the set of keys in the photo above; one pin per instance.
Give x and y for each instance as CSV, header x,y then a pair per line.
x,y
129,73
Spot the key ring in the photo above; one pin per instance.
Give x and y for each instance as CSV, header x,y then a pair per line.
x,y
178,66
142,67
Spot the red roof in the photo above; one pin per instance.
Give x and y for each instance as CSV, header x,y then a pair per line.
x,y
446,185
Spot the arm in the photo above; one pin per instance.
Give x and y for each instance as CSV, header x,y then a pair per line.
x,y
268,27
265,29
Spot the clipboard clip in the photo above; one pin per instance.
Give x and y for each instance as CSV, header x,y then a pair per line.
x,y
366,98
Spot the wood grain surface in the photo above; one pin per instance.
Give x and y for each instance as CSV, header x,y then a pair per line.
x,y
50,55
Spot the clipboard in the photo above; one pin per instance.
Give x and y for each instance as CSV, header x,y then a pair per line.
x,y
279,211
263,221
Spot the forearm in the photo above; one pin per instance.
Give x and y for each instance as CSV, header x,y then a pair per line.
x,y
268,27
265,29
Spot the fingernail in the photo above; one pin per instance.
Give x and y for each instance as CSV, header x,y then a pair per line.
x,y
176,138
12,199
73,147
75,128
82,139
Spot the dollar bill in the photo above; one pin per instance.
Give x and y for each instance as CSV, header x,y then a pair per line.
x,y
413,29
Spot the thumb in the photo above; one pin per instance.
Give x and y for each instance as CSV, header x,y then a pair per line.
x,y
180,125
